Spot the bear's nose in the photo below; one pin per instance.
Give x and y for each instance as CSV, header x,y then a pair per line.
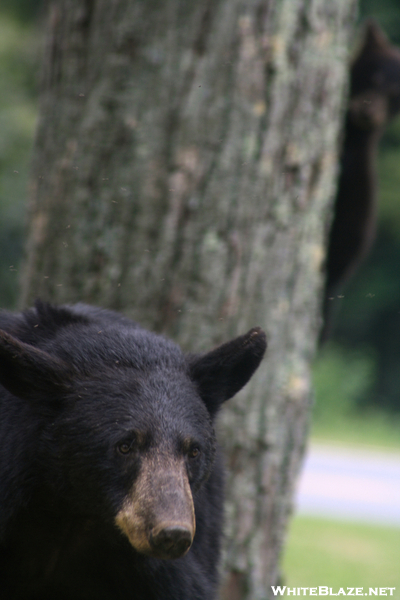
x,y
170,542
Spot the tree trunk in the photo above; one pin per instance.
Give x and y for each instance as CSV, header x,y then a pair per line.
x,y
183,168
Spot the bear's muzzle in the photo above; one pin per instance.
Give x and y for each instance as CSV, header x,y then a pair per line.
x,y
158,515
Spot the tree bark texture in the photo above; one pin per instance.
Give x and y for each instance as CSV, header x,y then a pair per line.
x,y
183,169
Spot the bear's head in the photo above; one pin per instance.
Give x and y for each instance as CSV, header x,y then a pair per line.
x,y
126,423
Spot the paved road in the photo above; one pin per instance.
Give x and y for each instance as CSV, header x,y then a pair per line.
x,y
359,485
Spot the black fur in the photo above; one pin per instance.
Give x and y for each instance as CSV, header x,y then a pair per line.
x,y
76,382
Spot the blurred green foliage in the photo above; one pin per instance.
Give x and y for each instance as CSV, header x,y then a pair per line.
x,y
343,377
20,41
23,10
370,317
386,12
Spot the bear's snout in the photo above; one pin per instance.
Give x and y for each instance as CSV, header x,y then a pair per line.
x,y
158,515
170,541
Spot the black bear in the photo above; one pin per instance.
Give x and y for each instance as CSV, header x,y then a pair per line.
x,y
374,100
108,458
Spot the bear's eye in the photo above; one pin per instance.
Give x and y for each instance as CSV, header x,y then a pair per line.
x,y
194,452
125,447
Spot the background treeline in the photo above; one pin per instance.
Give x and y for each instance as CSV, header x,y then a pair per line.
x,y
357,374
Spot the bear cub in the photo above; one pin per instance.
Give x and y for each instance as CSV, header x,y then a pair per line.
x,y
111,486
374,100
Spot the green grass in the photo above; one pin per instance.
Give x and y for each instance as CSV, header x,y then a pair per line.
x,y
340,554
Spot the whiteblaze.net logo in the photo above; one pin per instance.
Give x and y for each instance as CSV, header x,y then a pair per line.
x,y
323,590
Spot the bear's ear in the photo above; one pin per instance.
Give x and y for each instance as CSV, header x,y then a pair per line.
x,y
30,373
375,39
221,373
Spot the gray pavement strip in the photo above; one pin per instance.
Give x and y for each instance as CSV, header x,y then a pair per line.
x,y
353,484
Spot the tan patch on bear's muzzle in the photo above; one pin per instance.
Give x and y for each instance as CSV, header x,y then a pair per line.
x,y
158,515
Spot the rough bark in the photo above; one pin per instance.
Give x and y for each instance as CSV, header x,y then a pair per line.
x,y
183,169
